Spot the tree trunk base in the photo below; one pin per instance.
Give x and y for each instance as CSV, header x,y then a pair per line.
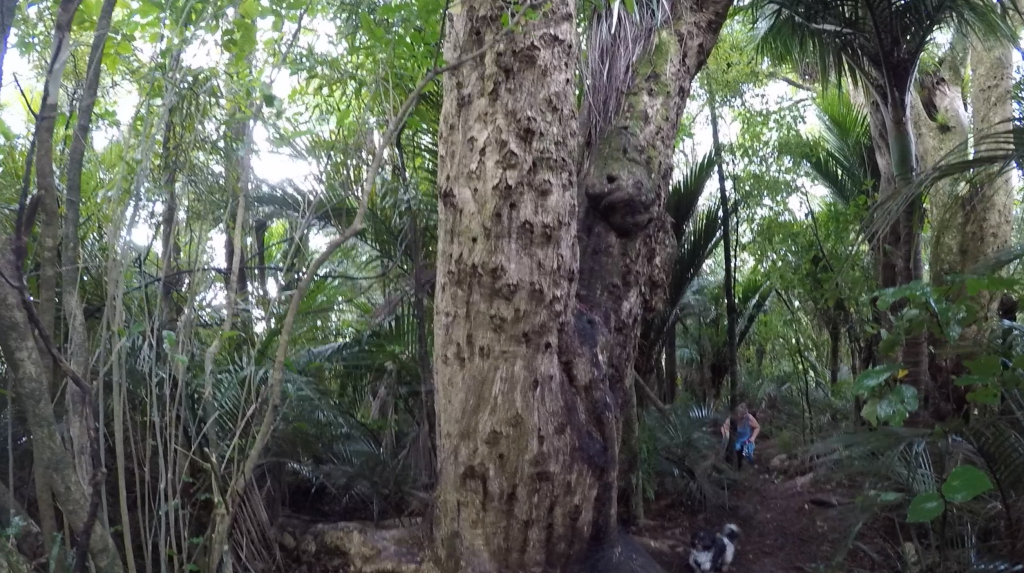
x,y
351,547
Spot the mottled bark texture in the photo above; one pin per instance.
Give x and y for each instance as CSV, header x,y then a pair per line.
x,y
624,193
538,292
940,129
983,223
522,441
988,208
32,394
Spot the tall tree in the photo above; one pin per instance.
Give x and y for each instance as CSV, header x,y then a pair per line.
x,y
880,43
534,347
727,278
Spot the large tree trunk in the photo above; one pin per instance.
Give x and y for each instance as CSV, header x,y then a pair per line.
x,y
512,409
531,365
627,175
988,209
940,130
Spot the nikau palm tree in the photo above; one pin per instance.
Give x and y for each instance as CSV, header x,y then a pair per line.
x,y
878,44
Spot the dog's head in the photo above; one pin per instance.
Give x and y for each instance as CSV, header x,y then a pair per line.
x,y
703,540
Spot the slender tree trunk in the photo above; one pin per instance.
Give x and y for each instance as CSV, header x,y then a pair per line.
x,y
8,9
671,367
423,353
835,342
46,182
79,406
170,249
47,246
731,312
911,221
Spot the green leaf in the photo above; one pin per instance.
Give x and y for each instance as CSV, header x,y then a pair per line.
x,y
972,379
249,9
987,365
925,507
987,395
149,8
870,411
965,483
874,377
898,404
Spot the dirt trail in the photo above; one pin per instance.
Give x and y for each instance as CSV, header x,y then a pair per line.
x,y
787,526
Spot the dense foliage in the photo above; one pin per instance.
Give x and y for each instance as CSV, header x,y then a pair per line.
x,y
232,144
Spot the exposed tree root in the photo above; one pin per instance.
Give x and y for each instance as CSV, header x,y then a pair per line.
x,y
351,547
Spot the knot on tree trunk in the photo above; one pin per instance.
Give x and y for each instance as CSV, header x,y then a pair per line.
x,y
623,197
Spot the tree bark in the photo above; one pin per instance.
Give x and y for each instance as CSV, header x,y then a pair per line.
x,y
623,189
940,128
8,8
32,393
47,245
79,405
510,409
988,209
731,313
532,365
46,181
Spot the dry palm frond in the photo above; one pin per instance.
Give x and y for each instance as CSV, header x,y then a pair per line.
x,y
615,43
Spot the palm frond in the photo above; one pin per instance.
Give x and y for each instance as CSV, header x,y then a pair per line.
x,y
695,246
752,308
997,151
800,32
684,196
616,41
689,463
881,41
841,156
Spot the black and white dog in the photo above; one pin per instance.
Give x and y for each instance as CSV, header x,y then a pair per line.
x,y
711,551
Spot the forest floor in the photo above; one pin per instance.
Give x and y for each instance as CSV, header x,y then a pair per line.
x,y
787,524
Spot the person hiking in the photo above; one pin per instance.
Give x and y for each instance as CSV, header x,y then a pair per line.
x,y
747,430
